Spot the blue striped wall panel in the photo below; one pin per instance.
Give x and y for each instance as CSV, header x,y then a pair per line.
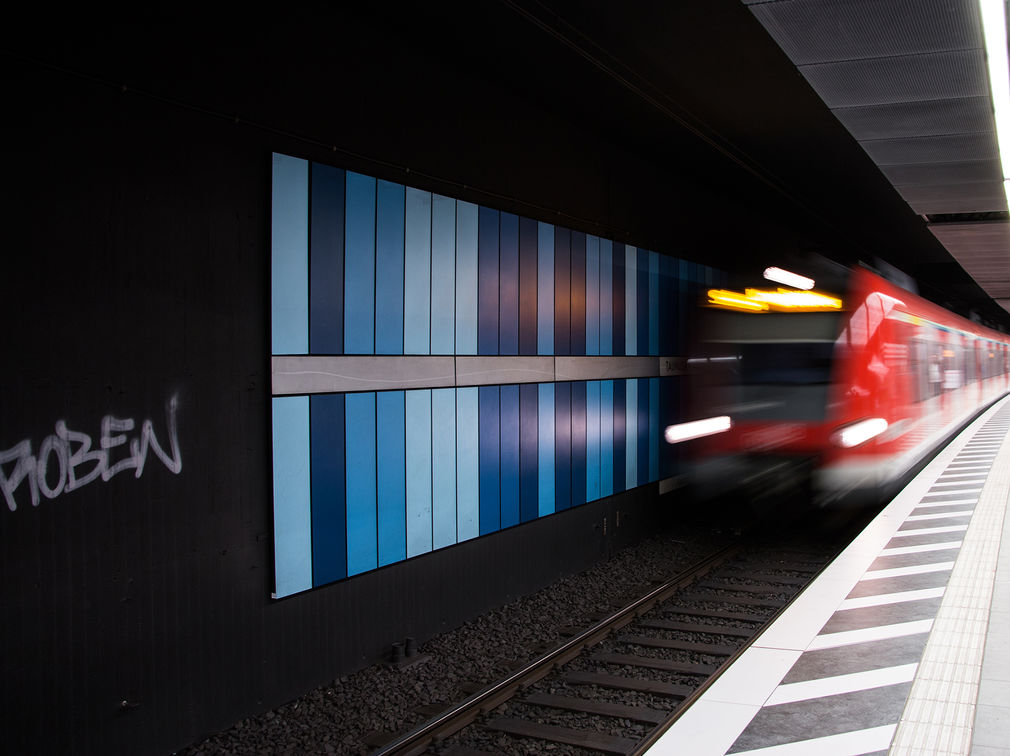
x,y
466,277
508,284
562,446
643,430
653,284
510,440
617,299
528,263
642,318
655,429
389,230
362,530
329,505
443,467
359,265
443,274
606,297
593,467
579,423
669,411
592,295
467,464
326,258
289,244
545,448
490,456
631,433
419,505
562,291
578,294
630,300
292,495
620,434
671,311
606,438
529,483
390,476
487,281
545,288
417,274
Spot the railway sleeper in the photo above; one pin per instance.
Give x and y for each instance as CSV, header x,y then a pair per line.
x,y
598,708
619,682
553,733
649,662
712,649
696,627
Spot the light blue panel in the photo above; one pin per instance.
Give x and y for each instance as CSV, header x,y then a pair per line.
x,y
606,297
390,493
466,278
593,485
653,303
418,472
443,276
292,495
443,467
417,274
359,265
545,292
545,446
606,438
389,199
592,295
362,530
631,301
289,255
467,460
654,431
631,435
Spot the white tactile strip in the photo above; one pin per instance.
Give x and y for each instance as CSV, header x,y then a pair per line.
x,y
879,613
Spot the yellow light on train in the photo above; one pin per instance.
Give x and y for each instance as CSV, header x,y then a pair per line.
x,y
731,299
760,300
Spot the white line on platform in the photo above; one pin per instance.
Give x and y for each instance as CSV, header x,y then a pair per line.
x,y
915,569
867,634
898,550
834,686
883,599
844,744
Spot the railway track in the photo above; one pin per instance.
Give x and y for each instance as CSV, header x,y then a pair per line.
x,y
611,686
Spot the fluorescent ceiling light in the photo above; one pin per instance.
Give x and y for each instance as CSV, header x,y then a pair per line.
x,y
994,31
686,431
786,278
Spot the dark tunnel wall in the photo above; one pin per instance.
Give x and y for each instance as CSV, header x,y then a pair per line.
x,y
136,594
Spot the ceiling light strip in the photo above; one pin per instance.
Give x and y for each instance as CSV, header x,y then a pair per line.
x,y
994,30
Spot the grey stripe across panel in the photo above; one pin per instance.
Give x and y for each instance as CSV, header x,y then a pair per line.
x,y
858,673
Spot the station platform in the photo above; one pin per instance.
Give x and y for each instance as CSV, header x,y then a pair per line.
x,y
901,646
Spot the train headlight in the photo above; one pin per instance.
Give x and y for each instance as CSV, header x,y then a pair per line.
x,y
859,432
696,429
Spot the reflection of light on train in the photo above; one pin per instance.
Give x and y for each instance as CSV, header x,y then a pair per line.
x,y
848,398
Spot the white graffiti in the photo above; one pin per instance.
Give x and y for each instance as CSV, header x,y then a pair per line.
x,y
66,460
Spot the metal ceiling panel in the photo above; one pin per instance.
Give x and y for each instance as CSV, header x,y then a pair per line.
x,y
983,195
966,205
953,148
924,118
932,174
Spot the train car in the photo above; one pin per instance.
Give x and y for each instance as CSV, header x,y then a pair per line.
x,y
839,397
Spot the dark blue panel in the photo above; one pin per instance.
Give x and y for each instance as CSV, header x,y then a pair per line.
x,y
668,415
527,286
389,230
620,450
562,291
619,347
643,429
510,474
642,302
562,446
508,286
326,261
578,443
528,447
390,476
668,314
578,268
488,455
329,513
487,281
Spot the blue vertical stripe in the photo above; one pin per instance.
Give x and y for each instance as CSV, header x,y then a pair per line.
x,y
466,278
389,203
642,318
487,284
417,274
606,438
631,434
617,303
606,297
655,429
620,435
419,509
289,255
643,431
329,507
528,453
443,467
654,303
359,265
490,478
562,446
443,274
467,464
390,430
527,286
630,300
593,487
578,294
326,253
562,291
545,289
292,496
578,443
671,311
362,549
510,472
545,448
508,285
593,295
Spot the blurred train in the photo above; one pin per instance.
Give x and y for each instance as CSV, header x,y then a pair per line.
x,y
840,398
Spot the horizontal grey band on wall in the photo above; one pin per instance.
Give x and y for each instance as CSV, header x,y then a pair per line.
x,y
315,374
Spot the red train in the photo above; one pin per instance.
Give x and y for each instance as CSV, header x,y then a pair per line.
x,y
847,395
